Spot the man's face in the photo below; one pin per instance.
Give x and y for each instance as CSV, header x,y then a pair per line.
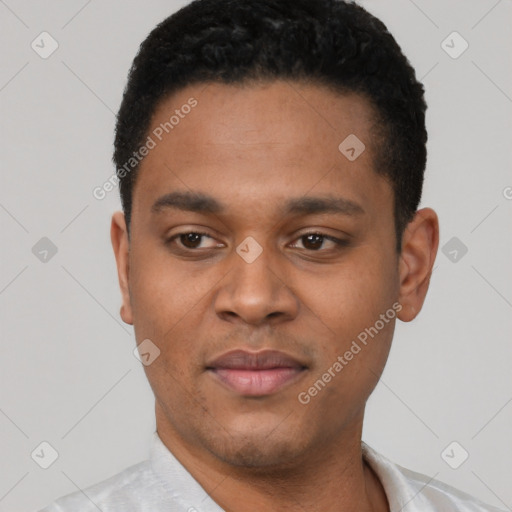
x,y
256,151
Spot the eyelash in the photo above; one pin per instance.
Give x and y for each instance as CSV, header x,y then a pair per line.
x,y
339,242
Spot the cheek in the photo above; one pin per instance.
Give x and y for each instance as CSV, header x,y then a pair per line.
x,y
350,303
161,291
169,303
353,343
353,297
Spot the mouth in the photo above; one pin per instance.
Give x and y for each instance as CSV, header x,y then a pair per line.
x,y
256,373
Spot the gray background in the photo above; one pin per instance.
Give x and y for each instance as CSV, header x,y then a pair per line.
x,y
68,374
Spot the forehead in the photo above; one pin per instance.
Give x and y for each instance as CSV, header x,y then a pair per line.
x,y
266,140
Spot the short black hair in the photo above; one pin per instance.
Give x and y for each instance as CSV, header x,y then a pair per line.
x,y
334,43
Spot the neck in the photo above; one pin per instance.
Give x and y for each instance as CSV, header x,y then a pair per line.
x,y
328,478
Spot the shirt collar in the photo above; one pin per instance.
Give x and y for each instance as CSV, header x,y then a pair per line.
x,y
176,479
398,489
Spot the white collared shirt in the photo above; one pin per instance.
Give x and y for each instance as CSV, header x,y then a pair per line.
x,y
162,484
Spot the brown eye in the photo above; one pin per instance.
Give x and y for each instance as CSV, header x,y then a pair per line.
x,y
316,241
191,240
312,241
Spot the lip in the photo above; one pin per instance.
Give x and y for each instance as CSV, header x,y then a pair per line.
x,y
256,373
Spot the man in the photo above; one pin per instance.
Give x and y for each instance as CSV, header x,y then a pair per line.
x,y
270,156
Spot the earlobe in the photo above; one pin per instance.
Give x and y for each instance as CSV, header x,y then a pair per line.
x,y
121,247
419,248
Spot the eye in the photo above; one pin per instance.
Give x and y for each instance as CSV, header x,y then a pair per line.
x,y
315,241
190,240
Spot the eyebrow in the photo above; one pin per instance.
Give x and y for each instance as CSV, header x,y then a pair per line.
x,y
203,203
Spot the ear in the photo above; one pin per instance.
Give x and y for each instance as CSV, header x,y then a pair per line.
x,y
120,244
419,248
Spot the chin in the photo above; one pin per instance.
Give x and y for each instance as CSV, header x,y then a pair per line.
x,y
256,454
267,447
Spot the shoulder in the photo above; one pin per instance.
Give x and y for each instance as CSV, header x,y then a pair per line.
x,y
410,491
133,489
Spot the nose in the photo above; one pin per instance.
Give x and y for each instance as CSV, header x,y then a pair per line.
x,y
256,291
